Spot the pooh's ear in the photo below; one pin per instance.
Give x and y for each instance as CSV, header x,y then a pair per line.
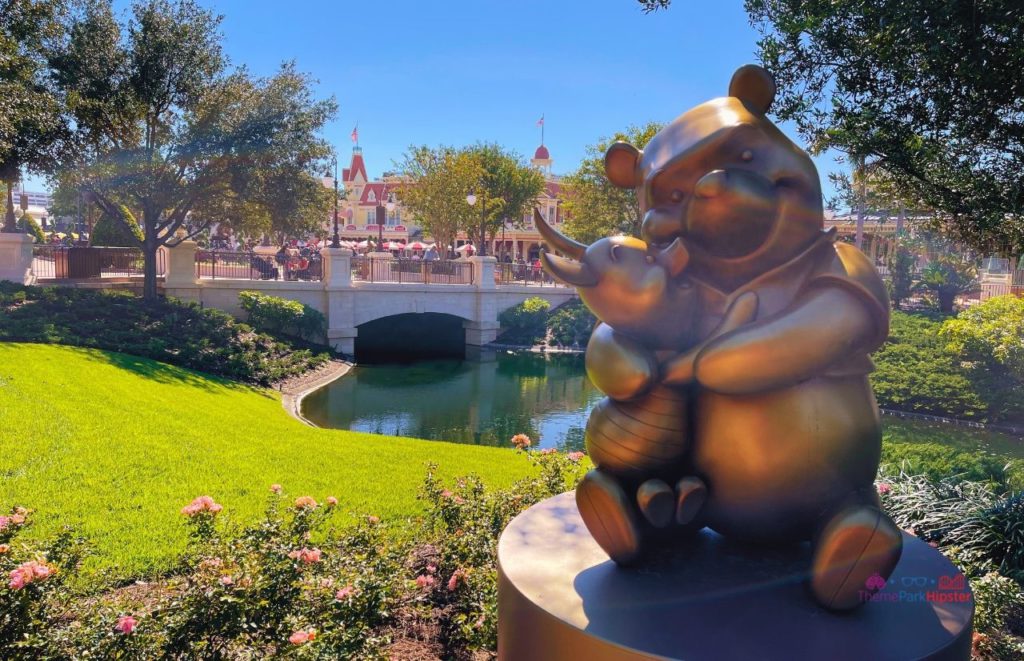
x,y
621,165
754,86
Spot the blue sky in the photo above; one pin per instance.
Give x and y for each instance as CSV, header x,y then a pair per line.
x,y
459,71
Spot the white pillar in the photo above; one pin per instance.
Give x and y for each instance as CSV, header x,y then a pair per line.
x,y
181,266
16,258
483,272
337,267
341,330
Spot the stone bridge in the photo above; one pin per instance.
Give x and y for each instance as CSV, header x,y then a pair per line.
x,y
348,304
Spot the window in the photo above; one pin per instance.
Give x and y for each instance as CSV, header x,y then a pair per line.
x,y
371,217
371,197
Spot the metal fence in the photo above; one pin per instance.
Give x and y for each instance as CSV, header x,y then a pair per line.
x,y
522,274
443,272
85,262
230,265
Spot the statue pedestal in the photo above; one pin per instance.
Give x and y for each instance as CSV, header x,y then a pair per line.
x,y
561,598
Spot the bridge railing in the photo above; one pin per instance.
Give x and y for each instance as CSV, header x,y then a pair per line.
x,y
414,271
522,274
86,262
243,265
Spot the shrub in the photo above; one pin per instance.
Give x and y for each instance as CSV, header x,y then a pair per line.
x,y
937,462
525,323
991,332
110,231
171,331
570,324
28,225
915,373
293,584
281,316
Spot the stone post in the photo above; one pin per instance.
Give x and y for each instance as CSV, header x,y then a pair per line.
x,y
337,267
484,329
341,330
181,266
483,272
16,258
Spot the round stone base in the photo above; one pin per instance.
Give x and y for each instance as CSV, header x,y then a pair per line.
x,y
561,598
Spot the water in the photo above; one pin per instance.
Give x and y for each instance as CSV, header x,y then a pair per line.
x,y
547,397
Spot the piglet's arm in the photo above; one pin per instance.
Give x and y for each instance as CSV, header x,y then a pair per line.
x,y
619,366
824,325
679,370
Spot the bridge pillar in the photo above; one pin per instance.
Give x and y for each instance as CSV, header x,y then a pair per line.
x,y
181,266
479,333
16,258
483,272
341,328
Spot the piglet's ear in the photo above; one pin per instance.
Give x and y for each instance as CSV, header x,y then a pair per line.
x,y
621,165
754,86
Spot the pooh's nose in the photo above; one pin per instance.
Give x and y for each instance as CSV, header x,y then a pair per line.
x,y
712,184
661,226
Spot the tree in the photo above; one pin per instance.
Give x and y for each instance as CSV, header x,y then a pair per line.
x,y
434,186
901,263
172,136
929,91
594,207
115,231
33,123
506,189
654,5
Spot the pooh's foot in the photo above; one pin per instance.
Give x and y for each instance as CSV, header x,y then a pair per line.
x,y
691,492
657,502
857,544
610,516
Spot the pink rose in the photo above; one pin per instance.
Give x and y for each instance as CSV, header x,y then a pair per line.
x,y
4,548
331,501
576,457
884,488
201,504
126,624
275,488
28,572
521,441
300,637
373,520
305,555
344,593
226,579
305,503
457,577
432,568
424,581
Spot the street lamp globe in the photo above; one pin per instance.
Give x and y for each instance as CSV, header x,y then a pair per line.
x,y
471,199
390,206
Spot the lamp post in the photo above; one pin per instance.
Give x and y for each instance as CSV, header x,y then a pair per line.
x,y
381,217
471,200
336,238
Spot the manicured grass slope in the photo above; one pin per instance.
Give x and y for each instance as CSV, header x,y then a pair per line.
x,y
115,446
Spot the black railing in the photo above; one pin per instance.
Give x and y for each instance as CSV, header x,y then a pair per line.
x,y
79,263
522,274
229,265
413,271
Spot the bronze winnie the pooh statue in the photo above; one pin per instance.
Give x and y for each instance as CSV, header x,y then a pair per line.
x,y
760,384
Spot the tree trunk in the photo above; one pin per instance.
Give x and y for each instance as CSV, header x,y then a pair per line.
x,y
9,221
946,300
149,251
858,240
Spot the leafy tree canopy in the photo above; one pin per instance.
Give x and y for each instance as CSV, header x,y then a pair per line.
x,y
33,125
594,207
928,91
168,131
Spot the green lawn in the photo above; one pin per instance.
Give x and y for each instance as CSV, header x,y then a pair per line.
x,y
115,445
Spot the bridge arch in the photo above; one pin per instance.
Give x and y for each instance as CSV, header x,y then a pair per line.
x,y
409,336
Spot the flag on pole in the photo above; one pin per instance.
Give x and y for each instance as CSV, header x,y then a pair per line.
x,y
540,122
355,134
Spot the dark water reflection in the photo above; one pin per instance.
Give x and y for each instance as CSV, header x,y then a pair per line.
x,y
545,396
486,402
